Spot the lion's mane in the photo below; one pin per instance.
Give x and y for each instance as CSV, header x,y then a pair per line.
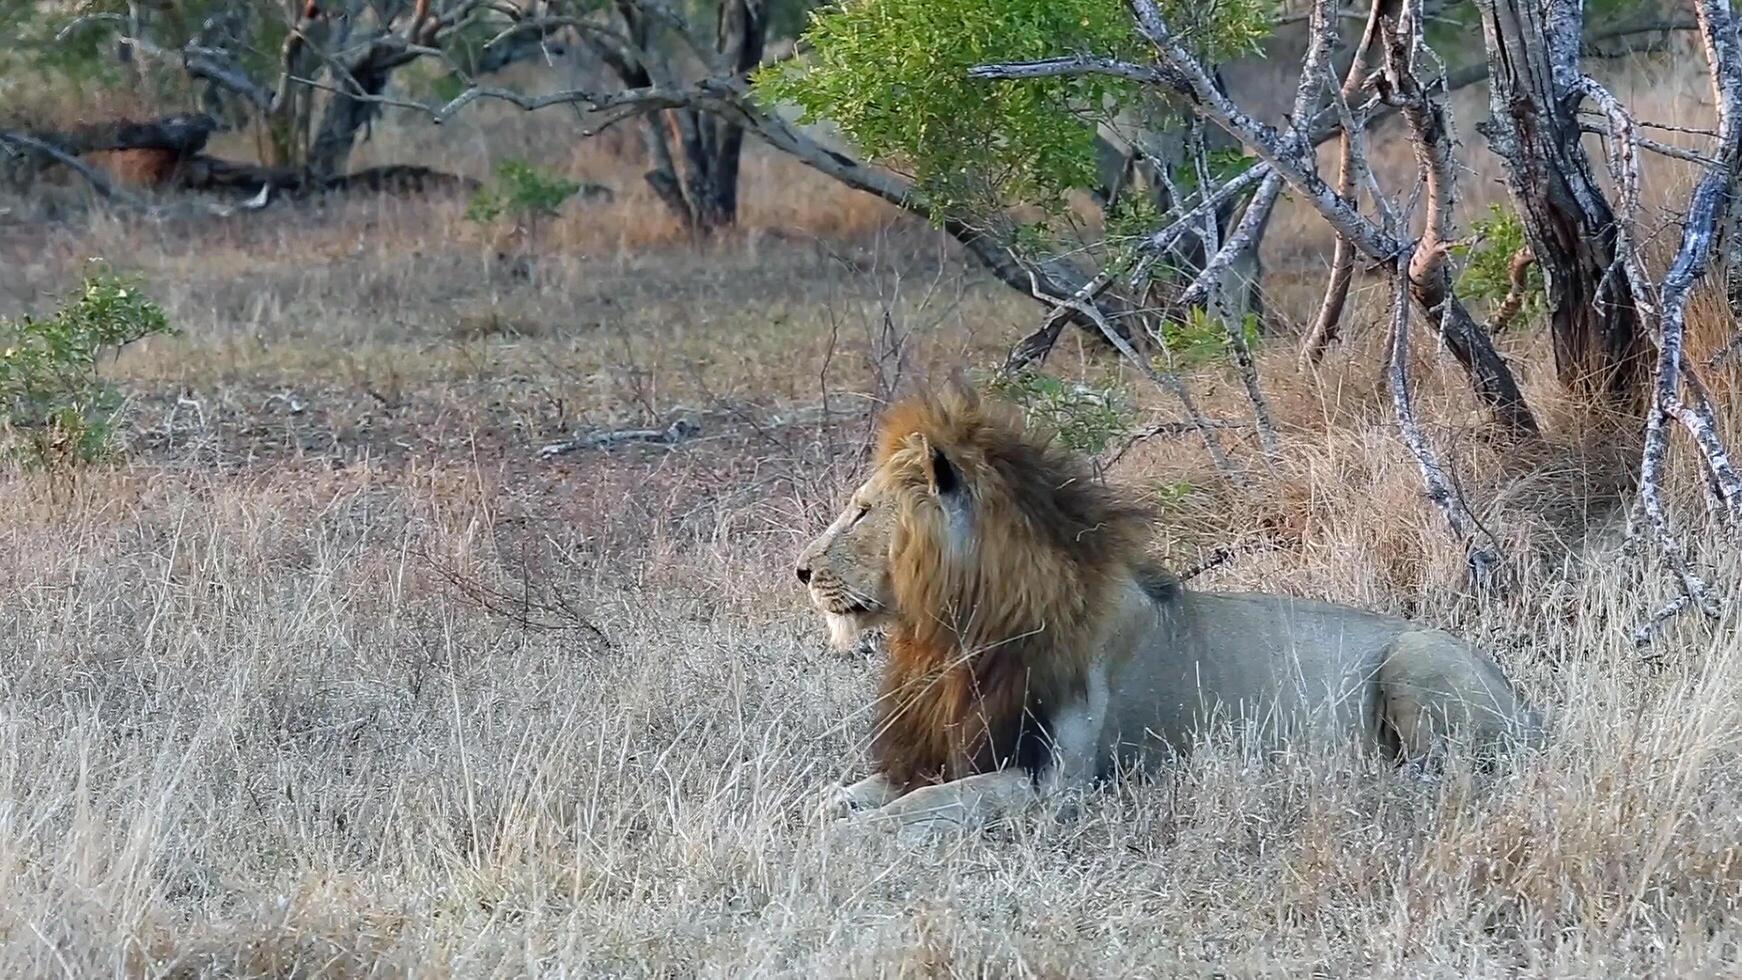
x,y
1002,579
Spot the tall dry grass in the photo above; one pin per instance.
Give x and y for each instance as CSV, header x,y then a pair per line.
x,y
330,677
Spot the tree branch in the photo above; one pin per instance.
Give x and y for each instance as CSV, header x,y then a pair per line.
x,y
1707,208
1484,563
1165,380
1290,156
1351,161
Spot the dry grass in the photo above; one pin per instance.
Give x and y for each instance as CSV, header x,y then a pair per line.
x,y
333,678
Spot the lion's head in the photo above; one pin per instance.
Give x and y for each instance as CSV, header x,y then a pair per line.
x,y
970,524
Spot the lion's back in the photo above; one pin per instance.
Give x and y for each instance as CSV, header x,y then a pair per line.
x,y
1265,663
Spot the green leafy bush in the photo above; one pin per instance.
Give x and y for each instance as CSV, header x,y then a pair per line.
x,y
1201,338
520,192
55,406
1487,256
1086,417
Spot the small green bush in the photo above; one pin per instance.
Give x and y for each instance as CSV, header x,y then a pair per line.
x,y
55,407
1202,339
1487,256
1086,417
521,193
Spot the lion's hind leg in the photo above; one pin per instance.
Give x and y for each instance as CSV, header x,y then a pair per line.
x,y
1436,693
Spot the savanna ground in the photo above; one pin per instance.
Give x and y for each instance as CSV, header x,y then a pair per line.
x,y
330,675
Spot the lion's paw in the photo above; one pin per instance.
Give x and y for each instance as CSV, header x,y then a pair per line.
x,y
840,802
835,804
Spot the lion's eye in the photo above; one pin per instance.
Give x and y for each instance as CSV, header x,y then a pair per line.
x,y
863,510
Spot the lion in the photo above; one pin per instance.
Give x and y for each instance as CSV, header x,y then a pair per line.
x,y
1032,648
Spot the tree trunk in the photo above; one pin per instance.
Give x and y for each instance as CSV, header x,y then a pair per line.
x,y
740,36
1601,351
331,152
694,154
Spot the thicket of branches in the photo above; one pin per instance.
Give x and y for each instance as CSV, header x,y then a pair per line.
x,y
986,115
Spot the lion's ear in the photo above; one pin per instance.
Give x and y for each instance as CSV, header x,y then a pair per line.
x,y
941,474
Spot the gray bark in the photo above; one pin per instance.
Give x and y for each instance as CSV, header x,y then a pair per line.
x,y
1600,346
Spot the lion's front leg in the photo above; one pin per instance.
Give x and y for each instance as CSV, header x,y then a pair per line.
x,y
870,793
958,804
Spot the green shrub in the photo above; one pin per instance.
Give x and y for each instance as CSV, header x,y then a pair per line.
x,y
55,407
1086,417
1201,338
893,74
521,193
1487,256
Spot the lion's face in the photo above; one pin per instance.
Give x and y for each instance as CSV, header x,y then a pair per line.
x,y
847,567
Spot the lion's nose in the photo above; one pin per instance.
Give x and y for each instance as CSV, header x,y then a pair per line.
x,y
804,573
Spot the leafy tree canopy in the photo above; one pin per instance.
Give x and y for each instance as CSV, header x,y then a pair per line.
x,y
893,75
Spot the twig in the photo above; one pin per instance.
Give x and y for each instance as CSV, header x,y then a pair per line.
x,y
672,434
1169,429
518,609
1662,149
1037,345
1165,380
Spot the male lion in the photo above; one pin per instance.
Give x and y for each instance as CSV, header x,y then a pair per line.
x,y
1031,648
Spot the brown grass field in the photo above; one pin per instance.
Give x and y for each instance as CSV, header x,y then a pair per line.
x,y
330,676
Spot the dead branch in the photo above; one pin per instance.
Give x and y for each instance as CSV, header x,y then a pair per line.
x,y
1484,562
220,67
1324,329
1621,151
1170,430
1245,238
1465,76
555,615
1517,285
107,190
104,187
678,431
1036,346
1243,241
1706,211
1158,242
1662,149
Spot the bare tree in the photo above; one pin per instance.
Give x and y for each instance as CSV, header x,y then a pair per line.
x,y
345,52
